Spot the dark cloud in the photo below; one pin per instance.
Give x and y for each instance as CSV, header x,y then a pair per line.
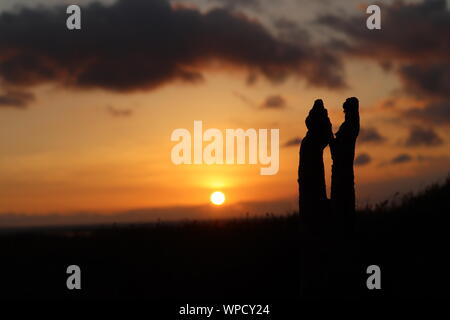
x,y
413,42
401,158
138,44
433,113
120,113
409,32
427,80
294,142
274,102
419,136
234,4
16,99
389,103
362,159
370,135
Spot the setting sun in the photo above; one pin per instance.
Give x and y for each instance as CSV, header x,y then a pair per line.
x,y
217,198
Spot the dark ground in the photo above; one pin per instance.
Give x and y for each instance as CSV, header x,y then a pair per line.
x,y
257,258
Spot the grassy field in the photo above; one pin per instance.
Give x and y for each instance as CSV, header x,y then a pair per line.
x,y
275,257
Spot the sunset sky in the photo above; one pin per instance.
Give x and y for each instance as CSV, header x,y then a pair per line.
x,y
86,116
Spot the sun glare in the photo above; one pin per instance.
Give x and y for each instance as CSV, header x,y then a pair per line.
x,y
217,198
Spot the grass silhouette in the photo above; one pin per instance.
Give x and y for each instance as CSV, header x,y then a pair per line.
x,y
257,258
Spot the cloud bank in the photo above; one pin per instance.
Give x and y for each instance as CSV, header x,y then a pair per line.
x,y
140,45
413,43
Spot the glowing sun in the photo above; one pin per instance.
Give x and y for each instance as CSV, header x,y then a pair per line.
x,y
217,198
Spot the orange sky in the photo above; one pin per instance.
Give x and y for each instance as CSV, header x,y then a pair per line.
x,y
66,152
69,154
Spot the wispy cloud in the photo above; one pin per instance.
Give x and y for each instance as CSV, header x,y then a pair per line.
x,y
370,135
294,142
115,112
401,158
362,159
274,102
16,99
419,136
